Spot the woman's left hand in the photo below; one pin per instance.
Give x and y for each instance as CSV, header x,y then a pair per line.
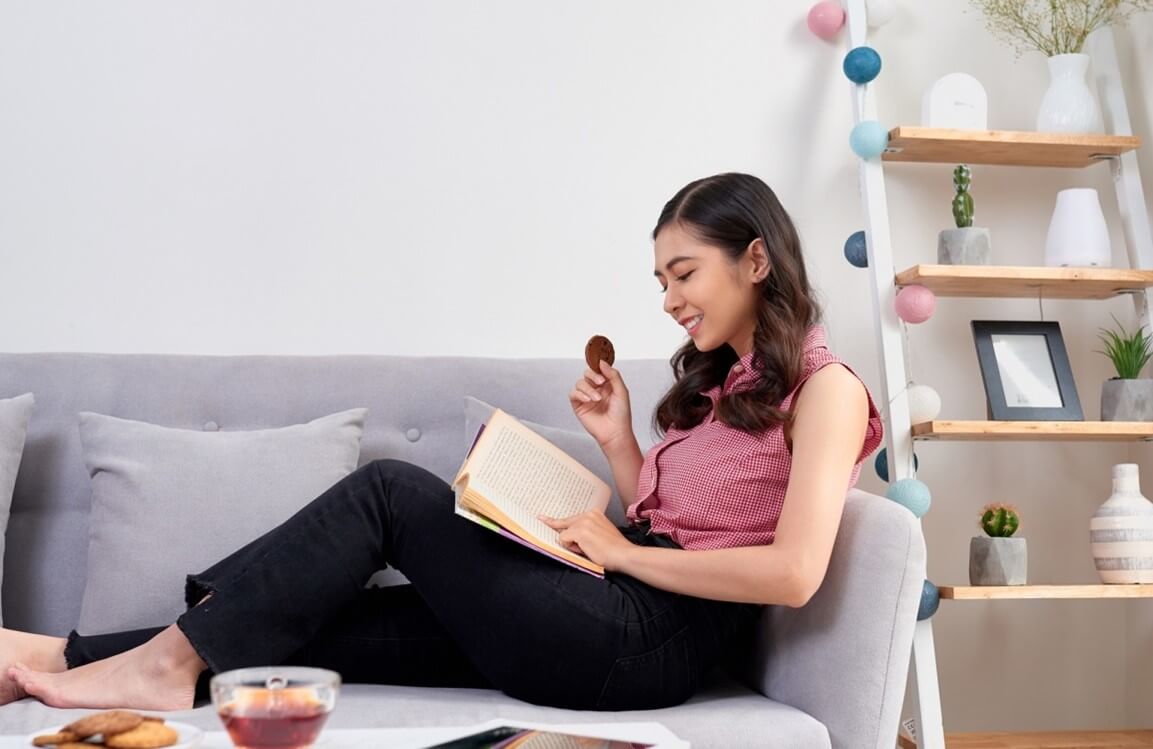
x,y
593,535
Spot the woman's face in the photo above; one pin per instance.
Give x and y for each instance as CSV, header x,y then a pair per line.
x,y
701,282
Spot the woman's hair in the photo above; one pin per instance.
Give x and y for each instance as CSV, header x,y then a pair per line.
x,y
729,211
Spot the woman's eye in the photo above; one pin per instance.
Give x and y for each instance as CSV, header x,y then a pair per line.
x,y
678,278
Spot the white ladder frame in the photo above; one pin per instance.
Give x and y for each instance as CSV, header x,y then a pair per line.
x,y
890,341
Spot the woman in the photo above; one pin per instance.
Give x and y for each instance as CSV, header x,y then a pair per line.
x,y
738,506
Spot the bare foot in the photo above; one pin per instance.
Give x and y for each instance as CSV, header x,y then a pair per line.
x,y
158,675
41,652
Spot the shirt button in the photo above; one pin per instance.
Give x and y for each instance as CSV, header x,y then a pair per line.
x,y
412,434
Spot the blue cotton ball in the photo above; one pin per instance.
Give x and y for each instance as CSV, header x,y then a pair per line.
x,y
881,464
912,494
869,139
855,250
930,600
862,64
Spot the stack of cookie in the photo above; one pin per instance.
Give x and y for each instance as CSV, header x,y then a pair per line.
x,y
119,729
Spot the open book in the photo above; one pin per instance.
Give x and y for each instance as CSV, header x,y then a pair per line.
x,y
512,474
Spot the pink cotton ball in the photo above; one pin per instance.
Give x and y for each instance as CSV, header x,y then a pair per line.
x,y
915,304
826,18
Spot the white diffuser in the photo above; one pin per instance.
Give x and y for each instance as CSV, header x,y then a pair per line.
x,y
1077,234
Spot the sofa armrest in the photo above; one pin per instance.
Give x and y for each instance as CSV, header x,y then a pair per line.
x,y
844,657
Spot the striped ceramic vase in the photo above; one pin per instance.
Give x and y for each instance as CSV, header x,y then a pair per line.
x,y
1121,531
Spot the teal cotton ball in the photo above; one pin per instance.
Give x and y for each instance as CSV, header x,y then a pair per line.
x,y
856,252
881,464
862,64
869,139
930,600
912,494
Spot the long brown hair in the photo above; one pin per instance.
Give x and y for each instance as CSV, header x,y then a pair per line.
x,y
729,211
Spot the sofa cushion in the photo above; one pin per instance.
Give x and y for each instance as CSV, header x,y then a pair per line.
x,y
580,446
14,414
170,502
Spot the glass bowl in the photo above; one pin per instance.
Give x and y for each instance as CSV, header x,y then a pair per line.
x,y
274,707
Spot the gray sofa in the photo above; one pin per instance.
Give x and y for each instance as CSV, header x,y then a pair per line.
x,y
832,673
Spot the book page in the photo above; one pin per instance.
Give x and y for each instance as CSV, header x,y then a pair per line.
x,y
522,473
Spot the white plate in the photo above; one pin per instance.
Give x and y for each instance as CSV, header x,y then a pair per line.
x,y
190,736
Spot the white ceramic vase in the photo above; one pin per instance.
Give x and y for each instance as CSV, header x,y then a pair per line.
x,y
1068,105
1121,531
1078,235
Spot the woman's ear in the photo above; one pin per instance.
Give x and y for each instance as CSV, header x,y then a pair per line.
x,y
760,257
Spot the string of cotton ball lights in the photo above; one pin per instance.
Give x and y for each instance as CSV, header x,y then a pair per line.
x,y
881,464
862,64
856,251
912,494
869,139
930,600
914,304
879,12
827,18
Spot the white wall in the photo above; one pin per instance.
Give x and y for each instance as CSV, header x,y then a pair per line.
x,y
480,179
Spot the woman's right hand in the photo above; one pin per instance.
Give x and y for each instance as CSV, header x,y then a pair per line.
x,y
601,401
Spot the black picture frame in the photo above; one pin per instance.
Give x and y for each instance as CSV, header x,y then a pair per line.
x,y
1026,371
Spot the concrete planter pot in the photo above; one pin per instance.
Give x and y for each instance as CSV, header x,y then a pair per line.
x,y
997,561
967,246
1127,400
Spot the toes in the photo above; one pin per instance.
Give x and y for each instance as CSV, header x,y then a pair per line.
x,y
23,680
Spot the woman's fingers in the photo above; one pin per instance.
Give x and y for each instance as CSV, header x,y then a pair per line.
x,y
613,374
585,393
595,377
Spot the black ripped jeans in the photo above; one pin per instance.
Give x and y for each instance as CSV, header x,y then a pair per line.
x,y
481,610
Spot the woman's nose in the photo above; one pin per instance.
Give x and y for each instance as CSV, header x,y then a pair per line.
x,y
672,302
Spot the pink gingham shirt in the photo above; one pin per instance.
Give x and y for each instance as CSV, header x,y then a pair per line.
x,y
714,486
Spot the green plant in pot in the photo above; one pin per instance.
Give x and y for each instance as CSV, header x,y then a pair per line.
x,y
1128,396
998,557
966,244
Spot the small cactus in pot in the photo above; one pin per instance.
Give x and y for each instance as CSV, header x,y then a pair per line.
x,y
999,521
966,244
962,200
997,558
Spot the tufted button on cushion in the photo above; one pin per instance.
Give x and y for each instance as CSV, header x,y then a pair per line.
x,y
211,426
412,434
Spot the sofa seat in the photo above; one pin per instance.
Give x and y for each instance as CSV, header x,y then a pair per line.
x,y
699,721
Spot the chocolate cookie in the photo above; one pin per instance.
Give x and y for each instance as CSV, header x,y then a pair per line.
x,y
150,734
599,348
107,722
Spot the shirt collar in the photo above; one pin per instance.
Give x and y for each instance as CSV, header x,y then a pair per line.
x,y
743,373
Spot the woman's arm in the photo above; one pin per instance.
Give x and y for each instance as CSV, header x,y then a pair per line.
x,y
625,459
831,414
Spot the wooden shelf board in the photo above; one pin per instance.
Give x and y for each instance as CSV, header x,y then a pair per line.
x,y
1137,739
1004,147
1041,431
1026,282
999,592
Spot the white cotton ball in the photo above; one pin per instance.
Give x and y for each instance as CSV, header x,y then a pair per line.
x,y
924,404
879,12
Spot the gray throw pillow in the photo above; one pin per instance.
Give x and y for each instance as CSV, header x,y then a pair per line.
x,y
14,415
170,502
580,446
